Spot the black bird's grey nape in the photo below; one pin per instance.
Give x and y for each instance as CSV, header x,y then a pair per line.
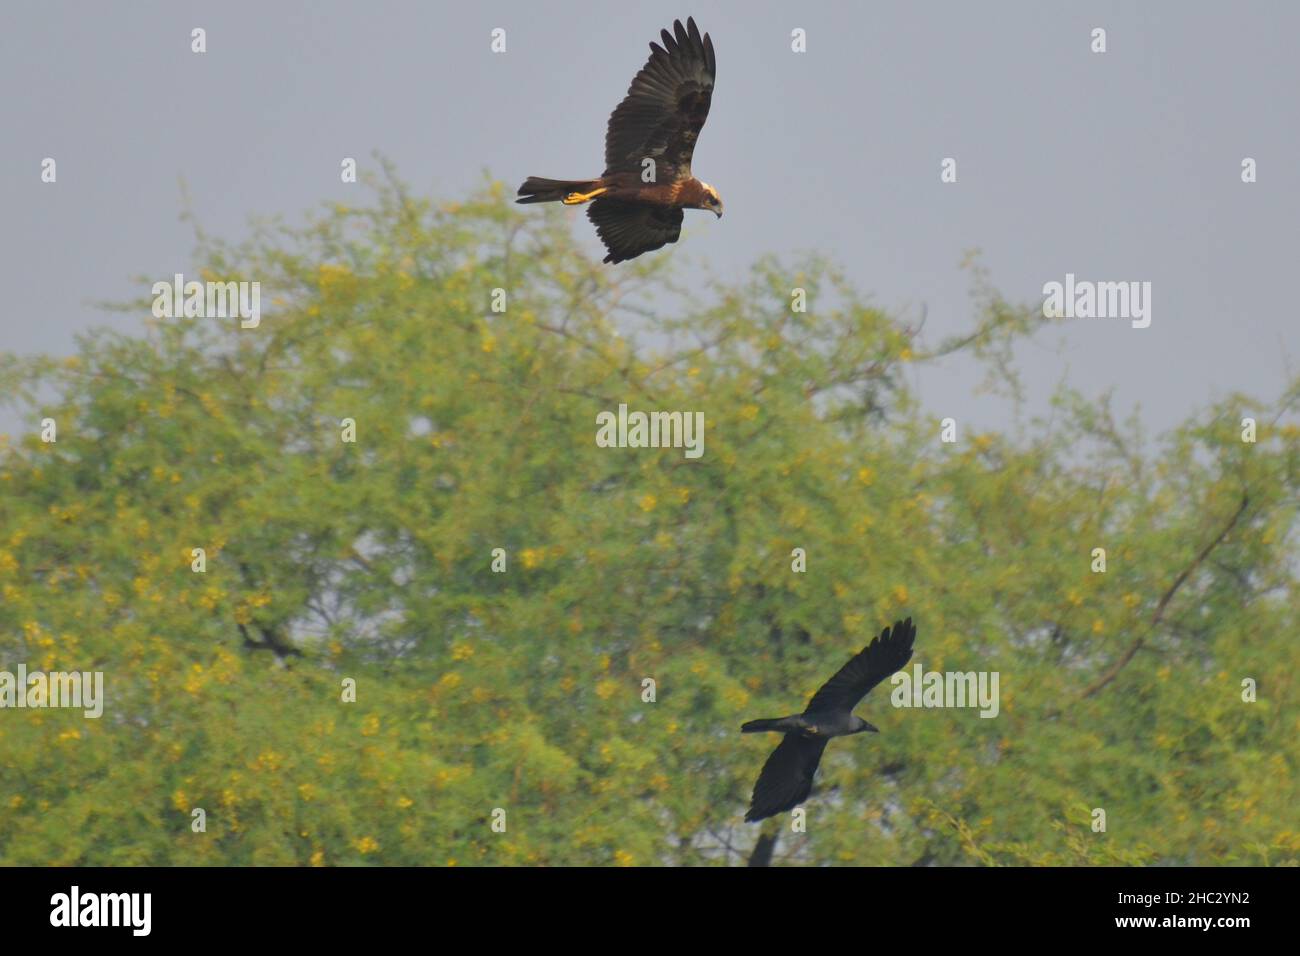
x,y
786,779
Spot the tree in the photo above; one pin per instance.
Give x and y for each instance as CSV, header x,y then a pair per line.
x,y
524,690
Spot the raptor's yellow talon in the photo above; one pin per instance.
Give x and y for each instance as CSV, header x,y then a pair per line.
x,y
574,199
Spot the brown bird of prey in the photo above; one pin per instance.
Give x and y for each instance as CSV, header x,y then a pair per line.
x,y
787,777
636,205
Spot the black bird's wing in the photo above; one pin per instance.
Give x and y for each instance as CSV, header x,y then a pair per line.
x,y
665,107
786,778
886,654
630,228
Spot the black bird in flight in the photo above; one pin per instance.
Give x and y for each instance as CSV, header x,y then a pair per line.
x,y
786,779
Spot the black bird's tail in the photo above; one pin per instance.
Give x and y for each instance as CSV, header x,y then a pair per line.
x,y
537,189
763,724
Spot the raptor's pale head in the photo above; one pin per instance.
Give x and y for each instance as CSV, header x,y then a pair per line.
x,y
712,201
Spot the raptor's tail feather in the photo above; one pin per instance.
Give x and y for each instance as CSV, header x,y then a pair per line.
x,y
538,189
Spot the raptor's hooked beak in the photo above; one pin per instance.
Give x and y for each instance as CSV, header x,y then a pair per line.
x,y
718,211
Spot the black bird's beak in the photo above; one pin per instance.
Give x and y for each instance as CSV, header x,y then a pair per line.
x,y
870,727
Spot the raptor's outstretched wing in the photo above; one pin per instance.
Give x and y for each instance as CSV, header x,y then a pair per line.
x,y
628,228
665,107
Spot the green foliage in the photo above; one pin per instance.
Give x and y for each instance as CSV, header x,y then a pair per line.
x,y
523,690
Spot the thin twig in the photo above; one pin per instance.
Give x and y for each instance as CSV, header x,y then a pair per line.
x,y
1113,671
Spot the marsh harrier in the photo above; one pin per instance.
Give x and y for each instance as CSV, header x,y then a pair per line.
x,y
637,202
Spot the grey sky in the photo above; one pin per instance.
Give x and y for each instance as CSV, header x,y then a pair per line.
x,y
1120,166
